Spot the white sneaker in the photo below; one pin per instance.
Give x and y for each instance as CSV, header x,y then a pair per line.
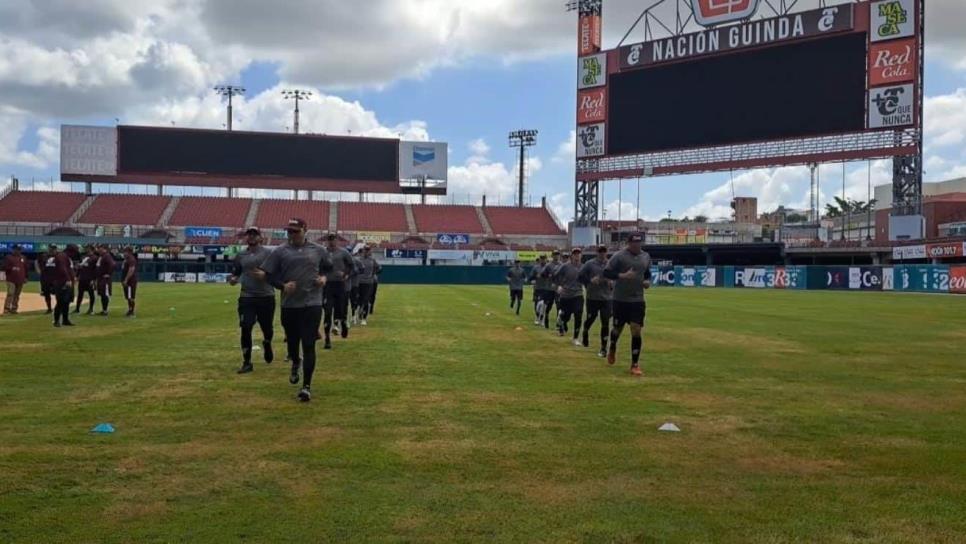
x,y
577,343
364,323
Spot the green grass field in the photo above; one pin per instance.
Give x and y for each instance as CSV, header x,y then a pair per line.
x,y
805,417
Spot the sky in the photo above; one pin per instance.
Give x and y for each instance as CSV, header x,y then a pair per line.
x,y
465,72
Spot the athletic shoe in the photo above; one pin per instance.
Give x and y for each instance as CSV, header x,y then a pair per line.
x,y
364,323
130,315
56,324
345,330
636,370
293,378
602,353
246,368
328,344
611,357
267,352
578,343
49,312
77,311
90,312
104,313
336,328
68,324
305,395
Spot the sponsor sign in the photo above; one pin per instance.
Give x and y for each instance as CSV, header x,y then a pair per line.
x,y
178,277
428,160
757,278
798,26
406,254
592,71
888,279
495,255
893,62
716,12
213,278
449,255
531,256
592,106
26,247
373,237
591,30
665,276
212,250
891,106
453,239
908,252
957,279
202,232
88,151
945,251
687,277
892,19
865,278
590,140
837,278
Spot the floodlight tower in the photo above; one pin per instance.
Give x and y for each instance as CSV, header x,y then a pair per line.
x,y
522,139
229,91
296,94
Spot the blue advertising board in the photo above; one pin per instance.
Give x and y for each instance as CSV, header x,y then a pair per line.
x,y
202,232
449,239
405,253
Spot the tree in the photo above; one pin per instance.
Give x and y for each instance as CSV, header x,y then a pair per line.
x,y
700,219
796,218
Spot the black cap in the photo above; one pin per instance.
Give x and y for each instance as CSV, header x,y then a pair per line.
x,y
556,252
601,249
636,237
296,224
253,230
575,251
331,236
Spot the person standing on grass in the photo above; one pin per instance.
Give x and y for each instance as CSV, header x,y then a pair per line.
x,y
86,276
343,267
46,290
354,289
368,270
516,277
62,279
299,269
256,302
630,269
15,271
375,289
550,294
600,290
129,281
105,276
540,285
571,294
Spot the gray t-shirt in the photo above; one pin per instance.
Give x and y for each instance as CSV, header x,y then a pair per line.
x,y
303,265
567,277
368,268
540,280
245,263
603,290
517,277
551,271
342,265
631,290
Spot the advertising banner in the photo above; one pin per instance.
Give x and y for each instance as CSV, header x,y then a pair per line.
x,y
788,277
428,160
716,12
591,106
687,277
590,140
757,278
88,150
836,278
453,239
592,71
888,279
202,232
213,278
957,279
373,237
26,247
591,31
922,278
892,19
865,278
450,255
665,276
499,256
891,106
945,251
178,277
893,62
531,256
908,253
405,253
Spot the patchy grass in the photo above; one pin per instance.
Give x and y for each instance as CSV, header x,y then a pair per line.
x,y
806,417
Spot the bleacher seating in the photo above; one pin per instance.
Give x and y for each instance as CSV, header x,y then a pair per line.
x,y
195,211
275,214
39,206
112,209
447,219
227,239
373,217
532,221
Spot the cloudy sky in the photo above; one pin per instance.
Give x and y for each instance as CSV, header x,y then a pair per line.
x,y
461,71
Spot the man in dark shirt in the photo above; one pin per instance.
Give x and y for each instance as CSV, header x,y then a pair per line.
x,y
105,276
571,295
86,276
516,277
343,268
550,293
61,273
299,269
354,290
256,303
15,270
46,290
129,275
368,271
540,283
630,269
600,291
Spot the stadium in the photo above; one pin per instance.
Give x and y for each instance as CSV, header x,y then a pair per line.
x,y
268,336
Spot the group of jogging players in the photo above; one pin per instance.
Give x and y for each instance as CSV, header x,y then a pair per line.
x,y
614,287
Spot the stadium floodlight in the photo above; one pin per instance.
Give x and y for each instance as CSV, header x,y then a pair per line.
x,y
585,6
296,94
522,139
229,91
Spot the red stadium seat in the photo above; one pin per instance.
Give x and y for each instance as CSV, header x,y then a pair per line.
x,y
372,217
111,209
39,206
526,221
195,211
274,214
447,219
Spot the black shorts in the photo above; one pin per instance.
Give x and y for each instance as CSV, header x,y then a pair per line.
x,y
516,293
84,286
603,307
47,289
256,309
548,297
130,291
629,312
572,305
104,287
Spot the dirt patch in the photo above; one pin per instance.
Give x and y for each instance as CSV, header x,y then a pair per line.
x,y
29,302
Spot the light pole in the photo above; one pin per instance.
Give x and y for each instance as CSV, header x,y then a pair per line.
x,y
522,139
296,94
229,91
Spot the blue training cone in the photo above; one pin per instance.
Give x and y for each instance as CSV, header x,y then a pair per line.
x,y
103,428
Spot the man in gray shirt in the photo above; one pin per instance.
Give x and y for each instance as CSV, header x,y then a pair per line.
x,y
552,297
299,269
256,303
516,277
630,269
368,269
571,293
354,289
600,291
541,283
343,268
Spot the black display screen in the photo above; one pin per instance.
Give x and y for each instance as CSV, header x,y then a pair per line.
x,y
248,154
804,89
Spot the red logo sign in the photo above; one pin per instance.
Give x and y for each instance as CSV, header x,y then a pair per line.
x,y
592,106
957,279
893,62
944,251
716,12
590,34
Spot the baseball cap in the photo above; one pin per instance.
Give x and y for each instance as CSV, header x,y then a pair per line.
x,y
601,249
575,250
636,237
331,236
556,252
296,224
253,230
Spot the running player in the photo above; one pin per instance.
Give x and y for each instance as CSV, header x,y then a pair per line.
x,y
335,293
105,276
298,268
571,293
375,289
516,277
129,281
46,290
368,271
630,269
61,273
15,271
540,285
600,291
551,295
256,302
86,277
354,289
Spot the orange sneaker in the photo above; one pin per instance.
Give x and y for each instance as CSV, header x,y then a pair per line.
x,y
636,371
611,357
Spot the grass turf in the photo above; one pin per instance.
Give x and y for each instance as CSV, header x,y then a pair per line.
x,y
806,417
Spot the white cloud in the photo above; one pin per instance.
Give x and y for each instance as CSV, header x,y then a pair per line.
x,y
567,150
945,119
481,176
479,149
